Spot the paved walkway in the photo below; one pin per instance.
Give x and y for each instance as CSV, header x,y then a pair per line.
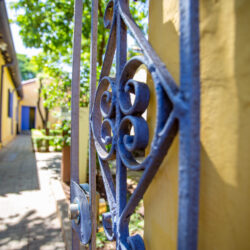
x,y
27,207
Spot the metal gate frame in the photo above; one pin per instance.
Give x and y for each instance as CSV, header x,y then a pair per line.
x,y
112,116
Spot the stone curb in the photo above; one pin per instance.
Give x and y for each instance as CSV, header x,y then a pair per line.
x,y
62,211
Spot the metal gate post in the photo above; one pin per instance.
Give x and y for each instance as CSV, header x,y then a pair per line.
x,y
92,151
121,170
75,96
189,154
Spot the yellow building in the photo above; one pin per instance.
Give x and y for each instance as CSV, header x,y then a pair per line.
x,y
224,213
28,111
10,83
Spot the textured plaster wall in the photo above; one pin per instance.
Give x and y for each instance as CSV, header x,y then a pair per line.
x,y
30,97
6,121
224,221
83,144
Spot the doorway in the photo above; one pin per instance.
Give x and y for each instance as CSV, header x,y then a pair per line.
x,y
28,118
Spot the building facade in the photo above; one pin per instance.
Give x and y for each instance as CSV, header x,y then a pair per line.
x,y
28,108
10,81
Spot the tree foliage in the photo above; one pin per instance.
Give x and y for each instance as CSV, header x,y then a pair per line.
x,y
27,68
48,25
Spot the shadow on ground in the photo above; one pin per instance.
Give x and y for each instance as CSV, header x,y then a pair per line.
x,y
37,232
50,162
17,159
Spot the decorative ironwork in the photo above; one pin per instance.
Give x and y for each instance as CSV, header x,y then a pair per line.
x,y
114,114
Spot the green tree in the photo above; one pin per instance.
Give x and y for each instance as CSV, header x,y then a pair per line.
x,y
48,25
28,69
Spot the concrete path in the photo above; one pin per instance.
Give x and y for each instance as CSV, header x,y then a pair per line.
x,y
28,217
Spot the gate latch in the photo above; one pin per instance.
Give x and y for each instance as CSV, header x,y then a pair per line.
x,y
79,212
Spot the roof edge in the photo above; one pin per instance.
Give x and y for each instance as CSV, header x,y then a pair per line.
x,y
7,48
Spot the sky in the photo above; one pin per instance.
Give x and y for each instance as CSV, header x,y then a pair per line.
x,y
18,43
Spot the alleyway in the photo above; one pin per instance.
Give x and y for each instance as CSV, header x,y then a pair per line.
x,y
27,207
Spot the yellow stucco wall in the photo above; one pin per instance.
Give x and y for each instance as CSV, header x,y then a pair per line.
x,y
83,144
7,122
30,97
224,221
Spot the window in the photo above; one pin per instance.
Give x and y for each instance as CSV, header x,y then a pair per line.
x,y
10,104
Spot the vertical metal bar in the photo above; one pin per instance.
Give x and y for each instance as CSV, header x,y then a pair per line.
x,y
121,171
189,169
75,96
92,150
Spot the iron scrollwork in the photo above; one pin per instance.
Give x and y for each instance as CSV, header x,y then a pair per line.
x,y
114,114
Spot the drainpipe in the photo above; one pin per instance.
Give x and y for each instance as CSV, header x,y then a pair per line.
x,y
1,96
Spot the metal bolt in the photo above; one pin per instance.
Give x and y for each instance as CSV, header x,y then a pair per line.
x,y
74,211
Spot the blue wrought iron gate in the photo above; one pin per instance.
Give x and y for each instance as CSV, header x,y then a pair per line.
x,y
113,115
